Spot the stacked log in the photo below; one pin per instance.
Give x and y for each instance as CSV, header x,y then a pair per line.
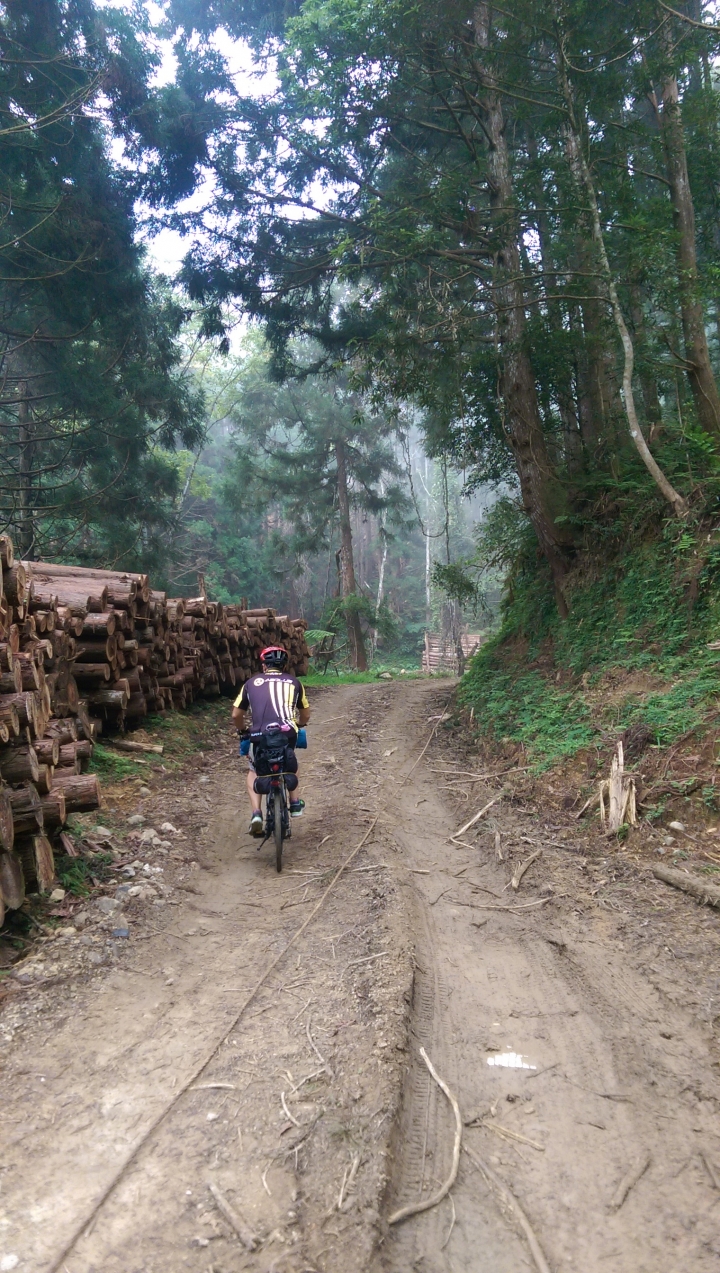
x,y
82,651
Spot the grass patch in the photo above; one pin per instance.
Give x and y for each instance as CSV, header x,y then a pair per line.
x,y
113,766
650,612
78,875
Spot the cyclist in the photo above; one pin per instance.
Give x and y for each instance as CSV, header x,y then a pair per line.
x,y
276,700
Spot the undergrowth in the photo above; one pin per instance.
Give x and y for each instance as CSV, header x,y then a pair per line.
x,y
556,686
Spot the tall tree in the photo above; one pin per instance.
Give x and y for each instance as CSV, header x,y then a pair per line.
x,y
91,374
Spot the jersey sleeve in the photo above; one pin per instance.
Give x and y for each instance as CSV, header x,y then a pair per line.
x,y
242,701
302,698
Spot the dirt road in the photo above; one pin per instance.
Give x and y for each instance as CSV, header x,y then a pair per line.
x,y
135,1105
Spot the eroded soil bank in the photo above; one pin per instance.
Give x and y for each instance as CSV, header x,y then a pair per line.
x,y
574,1020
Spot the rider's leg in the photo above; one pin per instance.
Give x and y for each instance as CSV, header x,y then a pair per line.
x,y
296,803
255,800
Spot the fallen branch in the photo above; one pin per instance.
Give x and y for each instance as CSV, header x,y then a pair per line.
x,y
124,744
512,1203
477,816
508,1134
292,1117
629,1181
707,894
524,906
522,868
588,805
243,1230
414,1208
317,1051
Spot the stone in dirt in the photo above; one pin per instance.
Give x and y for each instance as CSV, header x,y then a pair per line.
x,y
107,905
57,895
135,820
101,833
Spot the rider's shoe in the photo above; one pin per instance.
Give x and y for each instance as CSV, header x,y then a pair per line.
x,y
296,808
256,823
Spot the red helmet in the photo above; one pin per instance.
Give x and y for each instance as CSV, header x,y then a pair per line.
x,y
274,656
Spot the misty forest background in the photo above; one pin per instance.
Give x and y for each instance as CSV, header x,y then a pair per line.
x,y
444,344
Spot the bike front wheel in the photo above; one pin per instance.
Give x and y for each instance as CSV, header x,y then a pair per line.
x,y
279,827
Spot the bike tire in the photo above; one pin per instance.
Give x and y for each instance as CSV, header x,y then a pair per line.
x,y
279,828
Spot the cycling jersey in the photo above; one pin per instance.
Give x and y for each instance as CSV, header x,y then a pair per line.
x,y
274,698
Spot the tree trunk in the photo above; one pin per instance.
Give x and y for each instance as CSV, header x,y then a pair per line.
x,y
541,492
26,448
356,640
699,368
648,382
566,403
584,181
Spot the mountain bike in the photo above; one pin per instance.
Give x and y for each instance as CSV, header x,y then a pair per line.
x,y
277,816
269,760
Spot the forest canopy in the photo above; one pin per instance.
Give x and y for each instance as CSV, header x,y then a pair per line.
x,y
501,225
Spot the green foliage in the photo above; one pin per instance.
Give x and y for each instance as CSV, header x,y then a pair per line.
x,y
650,614
93,388
112,765
77,874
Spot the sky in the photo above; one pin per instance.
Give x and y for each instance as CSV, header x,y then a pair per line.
x,y
167,249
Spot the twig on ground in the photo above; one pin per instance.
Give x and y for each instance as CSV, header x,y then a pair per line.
x,y
629,1181
522,867
296,1086
287,1111
316,1049
508,1134
263,1177
299,1014
524,906
707,894
347,1182
243,1230
588,805
498,848
414,1208
366,959
511,1201
452,1223
207,1087
477,817
710,1169
546,1070
437,899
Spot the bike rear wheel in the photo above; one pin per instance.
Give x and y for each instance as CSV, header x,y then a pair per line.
x,y
279,827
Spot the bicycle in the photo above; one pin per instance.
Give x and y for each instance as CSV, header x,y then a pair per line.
x,y
277,817
269,764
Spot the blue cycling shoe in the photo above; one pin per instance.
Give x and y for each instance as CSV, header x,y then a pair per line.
x,y
296,808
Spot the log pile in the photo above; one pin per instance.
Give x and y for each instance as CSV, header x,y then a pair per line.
x,y
85,651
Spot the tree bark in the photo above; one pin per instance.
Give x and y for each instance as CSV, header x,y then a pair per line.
x,y
26,449
540,489
699,368
582,176
356,640
648,383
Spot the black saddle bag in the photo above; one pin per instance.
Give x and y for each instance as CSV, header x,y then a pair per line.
x,y
272,754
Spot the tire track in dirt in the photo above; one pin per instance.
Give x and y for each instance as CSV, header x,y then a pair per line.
x,y
124,1048
608,1085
